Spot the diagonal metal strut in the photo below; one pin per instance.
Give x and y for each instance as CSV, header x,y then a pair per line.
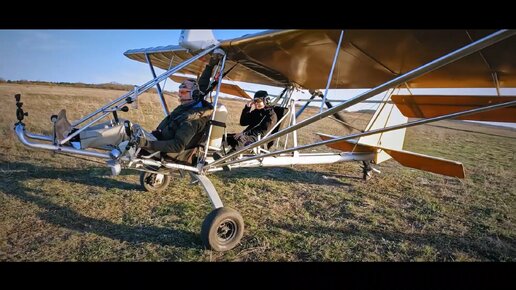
x,y
134,94
381,130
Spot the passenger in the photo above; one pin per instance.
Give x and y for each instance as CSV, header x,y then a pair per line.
x,y
259,121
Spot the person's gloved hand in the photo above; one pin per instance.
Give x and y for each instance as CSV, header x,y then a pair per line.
x,y
216,56
156,134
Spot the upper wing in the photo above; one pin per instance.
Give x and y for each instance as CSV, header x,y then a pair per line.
x,y
367,58
166,57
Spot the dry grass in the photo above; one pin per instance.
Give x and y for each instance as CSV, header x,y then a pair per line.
x,y
59,208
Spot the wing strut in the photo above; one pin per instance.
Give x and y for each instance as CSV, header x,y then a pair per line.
x,y
131,96
337,50
158,87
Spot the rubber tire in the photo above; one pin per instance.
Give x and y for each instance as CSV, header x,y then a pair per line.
x,y
148,187
212,222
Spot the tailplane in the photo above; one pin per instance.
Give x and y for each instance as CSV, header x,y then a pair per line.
x,y
389,145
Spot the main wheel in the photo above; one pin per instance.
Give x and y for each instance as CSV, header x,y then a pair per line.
x,y
154,182
222,229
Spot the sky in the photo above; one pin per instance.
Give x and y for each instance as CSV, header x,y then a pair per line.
x,y
96,56
88,56
91,56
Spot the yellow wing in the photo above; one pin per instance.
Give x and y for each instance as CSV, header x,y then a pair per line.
x,y
405,158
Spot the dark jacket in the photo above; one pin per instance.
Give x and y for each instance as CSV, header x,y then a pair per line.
x,y
182,129
185,126
258,121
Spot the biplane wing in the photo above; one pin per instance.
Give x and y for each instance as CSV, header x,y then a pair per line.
x,y
367,58
166,57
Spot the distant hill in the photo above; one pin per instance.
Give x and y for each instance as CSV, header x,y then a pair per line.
x,y
108,86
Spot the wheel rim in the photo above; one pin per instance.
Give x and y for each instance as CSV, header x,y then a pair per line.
x,y
226,231
155,180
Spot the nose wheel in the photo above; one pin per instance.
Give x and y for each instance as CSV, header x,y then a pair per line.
x,y
222,229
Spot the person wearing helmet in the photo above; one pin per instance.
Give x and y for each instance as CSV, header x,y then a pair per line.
x,y
179,134
258,116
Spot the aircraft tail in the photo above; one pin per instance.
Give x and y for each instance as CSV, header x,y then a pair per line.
x,y
405,158
390,145
385,116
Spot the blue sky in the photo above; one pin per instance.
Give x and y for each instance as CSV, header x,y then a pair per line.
x,y
88,56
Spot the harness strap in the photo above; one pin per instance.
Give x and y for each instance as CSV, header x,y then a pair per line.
x,y
217,123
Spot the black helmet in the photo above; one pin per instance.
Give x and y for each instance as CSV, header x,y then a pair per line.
x,y
262,95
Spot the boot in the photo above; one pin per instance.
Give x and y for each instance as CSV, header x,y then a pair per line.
x,y
218,155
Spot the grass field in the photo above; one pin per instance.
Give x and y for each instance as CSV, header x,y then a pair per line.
x,y
59,208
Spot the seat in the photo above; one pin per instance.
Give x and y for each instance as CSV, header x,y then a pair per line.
x,y
282,115
218,128
189,155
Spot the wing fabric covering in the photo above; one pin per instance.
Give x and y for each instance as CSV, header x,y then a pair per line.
x,y
419,106
367,58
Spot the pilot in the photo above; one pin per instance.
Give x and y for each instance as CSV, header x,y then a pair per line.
x,y
180,133
258,116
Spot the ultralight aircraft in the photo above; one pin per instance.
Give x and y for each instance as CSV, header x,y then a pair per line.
x,y
381,61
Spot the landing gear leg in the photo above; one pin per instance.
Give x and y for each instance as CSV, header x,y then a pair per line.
x,y
367,170
223,227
